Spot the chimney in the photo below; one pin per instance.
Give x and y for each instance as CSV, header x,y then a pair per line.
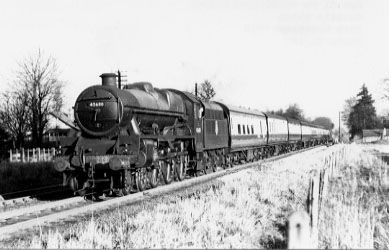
x,y
108,79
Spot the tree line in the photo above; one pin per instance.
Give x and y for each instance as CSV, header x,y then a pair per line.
x,y
36,91
358,114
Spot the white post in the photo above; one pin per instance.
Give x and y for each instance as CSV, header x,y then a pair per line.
x,y
10,155
299,231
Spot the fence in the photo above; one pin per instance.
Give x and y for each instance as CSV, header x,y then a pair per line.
x,y
303,225
32,155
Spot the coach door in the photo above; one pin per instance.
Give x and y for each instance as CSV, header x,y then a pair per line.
x,y
198,126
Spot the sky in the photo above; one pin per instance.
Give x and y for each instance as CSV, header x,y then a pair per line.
x,y
263,54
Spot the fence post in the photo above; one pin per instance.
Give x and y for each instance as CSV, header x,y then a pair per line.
x,y
10,155
39,154
313,205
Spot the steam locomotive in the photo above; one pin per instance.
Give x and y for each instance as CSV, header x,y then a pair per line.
x,y
133,137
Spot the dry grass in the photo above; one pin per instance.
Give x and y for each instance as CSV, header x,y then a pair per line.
x,y
354,214
248,209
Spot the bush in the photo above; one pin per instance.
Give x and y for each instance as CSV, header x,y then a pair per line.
x,y
22,179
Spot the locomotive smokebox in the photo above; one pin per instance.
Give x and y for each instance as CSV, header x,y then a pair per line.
x,y
108,79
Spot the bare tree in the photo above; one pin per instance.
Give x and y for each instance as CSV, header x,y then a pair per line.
x,y
14,114
206,91
38,79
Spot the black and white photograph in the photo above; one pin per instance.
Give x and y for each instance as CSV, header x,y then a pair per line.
x,y
194,124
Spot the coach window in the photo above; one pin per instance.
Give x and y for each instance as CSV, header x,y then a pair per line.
x,y
238,128
244,129
252,129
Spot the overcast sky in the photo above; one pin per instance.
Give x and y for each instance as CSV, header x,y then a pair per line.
x,y
258,54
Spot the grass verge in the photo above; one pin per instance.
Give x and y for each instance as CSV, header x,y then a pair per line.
x,y
247,209
355,214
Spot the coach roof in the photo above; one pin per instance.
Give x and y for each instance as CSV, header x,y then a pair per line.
x,y
244,110
275,116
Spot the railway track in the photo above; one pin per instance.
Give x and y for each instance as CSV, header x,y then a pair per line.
x,y
12,223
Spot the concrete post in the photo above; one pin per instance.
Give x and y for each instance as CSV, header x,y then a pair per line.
x,y
299,231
